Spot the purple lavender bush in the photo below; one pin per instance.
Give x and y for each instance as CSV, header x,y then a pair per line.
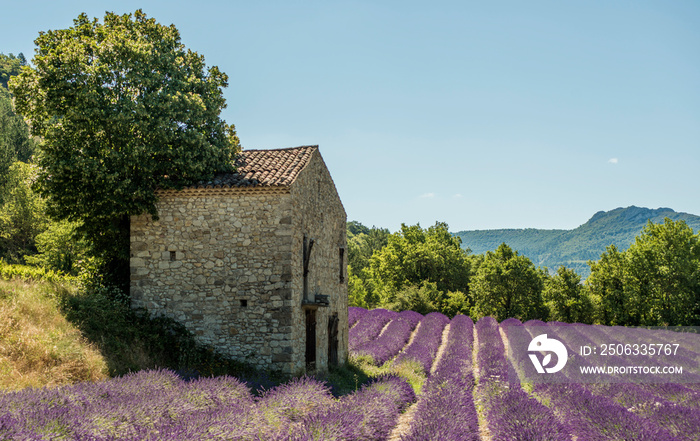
x,y
596,417
490,356
295,400
426,342
392,340
369,327
514,416
368,414
354,314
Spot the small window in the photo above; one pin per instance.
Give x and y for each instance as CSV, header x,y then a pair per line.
x,y
341,257
244,303
172,256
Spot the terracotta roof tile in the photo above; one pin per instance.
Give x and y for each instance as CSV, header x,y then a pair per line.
x,y
264,168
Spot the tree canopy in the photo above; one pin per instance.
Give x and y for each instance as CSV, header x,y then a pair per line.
x,y
15,142
123,108
415,255
655,282
508,285
10,66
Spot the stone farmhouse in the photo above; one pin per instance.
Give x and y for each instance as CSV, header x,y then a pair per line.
x,y
254,262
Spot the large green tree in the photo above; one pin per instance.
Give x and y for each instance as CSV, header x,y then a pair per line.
x,y
664,269
607,286
507,285
123,108
566,298
414,256
656,281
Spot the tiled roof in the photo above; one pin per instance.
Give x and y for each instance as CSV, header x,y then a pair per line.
x,y
264,168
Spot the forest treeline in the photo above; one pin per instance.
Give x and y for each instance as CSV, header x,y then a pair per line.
x,y
655,282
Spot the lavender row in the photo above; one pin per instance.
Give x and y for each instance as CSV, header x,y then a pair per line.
x,y
369,326
511,414
369,414
458,350
446,410
490,355
354,314
645,400
158,405
590,416
683,347
132,407
392,340
426,341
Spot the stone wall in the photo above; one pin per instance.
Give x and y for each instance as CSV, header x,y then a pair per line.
x,y
318,213
221,265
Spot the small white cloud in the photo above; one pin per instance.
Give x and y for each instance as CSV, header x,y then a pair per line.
x,y
457,196
612,160
427,196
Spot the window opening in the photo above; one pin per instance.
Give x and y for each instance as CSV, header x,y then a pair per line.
x,y
307,247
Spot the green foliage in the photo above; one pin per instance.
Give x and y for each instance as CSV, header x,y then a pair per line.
x,y
454,303
566,298
507,285
423,298
22,213
10,66
123,108
656,282
60,248
15,142
363,242
355,228
664,268
415,255
26,272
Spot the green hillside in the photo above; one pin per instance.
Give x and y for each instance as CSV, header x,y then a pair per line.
x,y
573,248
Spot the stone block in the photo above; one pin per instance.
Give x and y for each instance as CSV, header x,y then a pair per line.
x,y
281,358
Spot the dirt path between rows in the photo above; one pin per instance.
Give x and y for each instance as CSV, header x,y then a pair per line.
x,y
384,329
484,432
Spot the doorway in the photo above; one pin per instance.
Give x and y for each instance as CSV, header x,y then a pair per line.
x,y
310,339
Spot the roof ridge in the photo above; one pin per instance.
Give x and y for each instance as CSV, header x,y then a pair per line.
x,y
280,149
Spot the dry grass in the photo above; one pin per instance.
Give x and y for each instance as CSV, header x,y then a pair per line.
x,y
38,346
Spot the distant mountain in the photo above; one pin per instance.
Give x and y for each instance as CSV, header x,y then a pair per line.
x,y
573,248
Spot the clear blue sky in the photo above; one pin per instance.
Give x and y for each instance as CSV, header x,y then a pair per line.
x,y
482,114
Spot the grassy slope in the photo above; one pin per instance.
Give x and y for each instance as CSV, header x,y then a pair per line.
x,y
38,346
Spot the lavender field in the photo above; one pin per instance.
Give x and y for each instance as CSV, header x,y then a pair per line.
x,y
473,387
